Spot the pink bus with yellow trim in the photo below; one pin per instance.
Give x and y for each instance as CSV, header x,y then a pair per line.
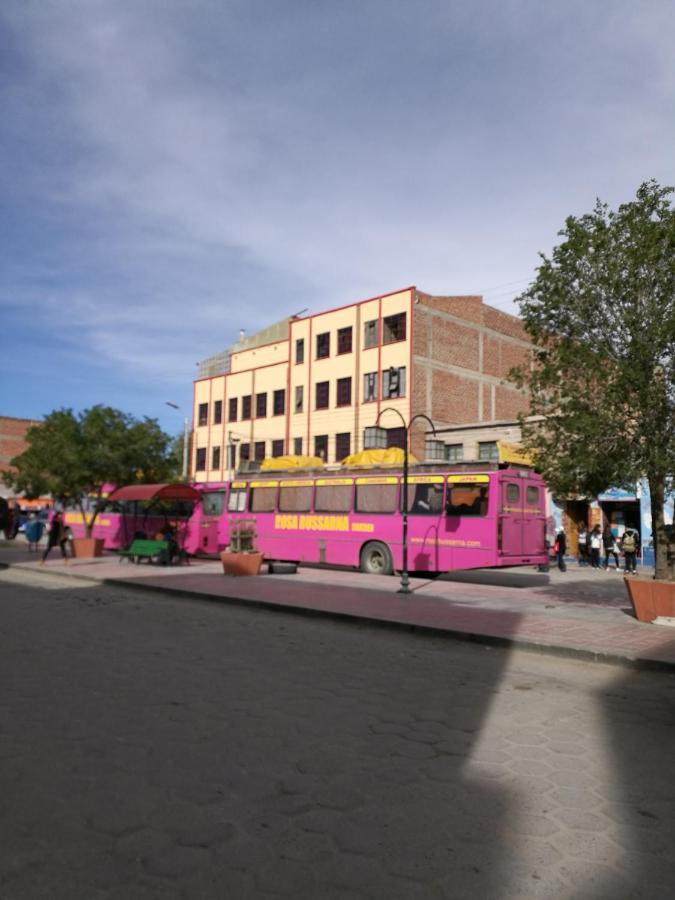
x,y
462,517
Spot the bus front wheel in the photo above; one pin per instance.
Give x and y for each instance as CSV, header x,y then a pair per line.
x,y
376,559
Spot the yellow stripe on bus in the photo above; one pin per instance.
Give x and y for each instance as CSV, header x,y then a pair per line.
x,y
294,483
468,479
382,480
339,482
425,479
262,484
238,484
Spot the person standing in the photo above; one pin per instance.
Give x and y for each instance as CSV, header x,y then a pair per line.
x,y
596,544
57,535
582,542
561,544
610,547
630,547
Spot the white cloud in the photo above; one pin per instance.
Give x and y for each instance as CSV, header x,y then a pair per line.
x,y
223,164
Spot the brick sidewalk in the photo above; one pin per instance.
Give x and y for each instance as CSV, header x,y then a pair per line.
x,y
582,612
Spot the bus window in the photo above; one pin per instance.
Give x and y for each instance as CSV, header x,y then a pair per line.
x,y
334,498
424,499
467,500
512,493
532,495
376,498
236,501
263,499
212,503
295,498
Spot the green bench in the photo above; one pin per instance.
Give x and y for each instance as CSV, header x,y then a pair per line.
x,y
145,549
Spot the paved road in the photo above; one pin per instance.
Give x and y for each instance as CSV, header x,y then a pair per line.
x,y
159,748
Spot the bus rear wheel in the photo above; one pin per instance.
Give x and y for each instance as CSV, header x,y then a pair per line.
x,y
376,559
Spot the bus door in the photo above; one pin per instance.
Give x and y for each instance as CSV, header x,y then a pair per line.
x,y
213,503
534,519
511,523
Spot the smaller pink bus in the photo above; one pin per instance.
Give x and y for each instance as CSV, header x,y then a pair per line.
x,y
462,517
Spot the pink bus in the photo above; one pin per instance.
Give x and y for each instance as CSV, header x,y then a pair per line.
x,y
461,517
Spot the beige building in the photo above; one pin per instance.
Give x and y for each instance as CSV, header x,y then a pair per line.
x,y
311,385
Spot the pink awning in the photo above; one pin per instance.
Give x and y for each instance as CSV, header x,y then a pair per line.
x,y
155,492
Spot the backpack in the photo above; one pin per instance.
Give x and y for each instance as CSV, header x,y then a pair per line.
x,y
629,542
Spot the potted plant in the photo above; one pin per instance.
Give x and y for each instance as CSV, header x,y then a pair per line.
x,y
76,457
240,557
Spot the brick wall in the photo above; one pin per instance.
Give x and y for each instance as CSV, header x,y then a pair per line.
x,y
462,353
13,438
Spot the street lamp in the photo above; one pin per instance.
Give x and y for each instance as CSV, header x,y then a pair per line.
x,y
185,439
375,438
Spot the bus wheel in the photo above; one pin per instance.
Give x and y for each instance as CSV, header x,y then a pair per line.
x,y
376,559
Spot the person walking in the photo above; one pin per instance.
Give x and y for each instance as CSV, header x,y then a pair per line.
x,y
609,544
629,545
596,544
561,545
57,535
582,542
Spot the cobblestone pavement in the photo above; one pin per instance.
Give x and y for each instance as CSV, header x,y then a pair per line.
x,y
154,748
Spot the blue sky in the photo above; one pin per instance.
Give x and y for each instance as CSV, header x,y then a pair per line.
x,y
175,170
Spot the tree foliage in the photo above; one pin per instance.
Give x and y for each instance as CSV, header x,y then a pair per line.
x,y
73,456
601,315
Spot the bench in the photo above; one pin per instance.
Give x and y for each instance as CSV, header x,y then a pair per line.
x,y
145,549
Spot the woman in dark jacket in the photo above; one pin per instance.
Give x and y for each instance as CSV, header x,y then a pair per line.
x,y
57,534
561,541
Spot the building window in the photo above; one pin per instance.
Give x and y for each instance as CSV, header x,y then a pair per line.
x,y
215,458
487,451
203,413
345,340
231,456
277,448
201,459
297,446
246,407
322,395
299,398
369,387
454,452
299,351
343,443
259,450
260,406
279,402
344,391
393,383
232,414
371,334
217,412
393,328
396,437
321,446
323,345
244,452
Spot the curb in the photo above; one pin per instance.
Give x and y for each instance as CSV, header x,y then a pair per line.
x,y
635,663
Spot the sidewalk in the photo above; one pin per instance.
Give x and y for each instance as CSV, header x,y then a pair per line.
x,y
583,612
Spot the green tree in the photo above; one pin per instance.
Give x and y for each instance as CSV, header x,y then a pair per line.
x,y
601,316
72,457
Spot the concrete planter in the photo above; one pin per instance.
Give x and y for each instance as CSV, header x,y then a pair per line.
x,y
241,563
84,548
651,598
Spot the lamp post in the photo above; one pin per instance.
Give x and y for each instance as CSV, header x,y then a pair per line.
x,y
376,438
185,439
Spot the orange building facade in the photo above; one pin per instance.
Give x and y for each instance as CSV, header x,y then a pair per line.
x,y
311,385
